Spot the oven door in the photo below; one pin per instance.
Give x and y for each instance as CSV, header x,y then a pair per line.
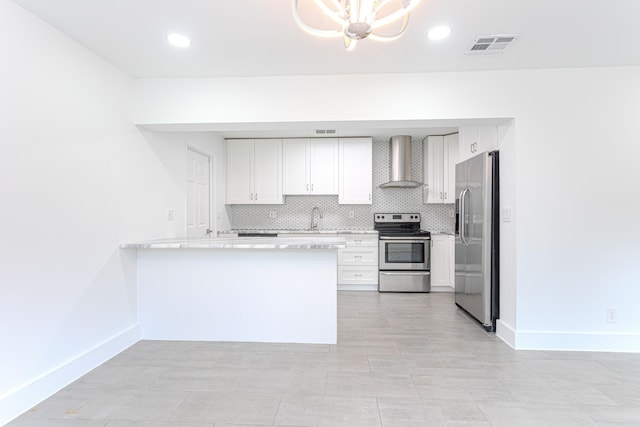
x,y
404,253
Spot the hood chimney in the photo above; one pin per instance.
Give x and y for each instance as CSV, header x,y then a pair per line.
x,y
400,163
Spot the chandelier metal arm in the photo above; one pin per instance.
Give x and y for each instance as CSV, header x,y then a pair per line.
x,y
391,37
395,15
311,30
337,15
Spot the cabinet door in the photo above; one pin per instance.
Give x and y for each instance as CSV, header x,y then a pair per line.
x,y
449,160
295,166
240,171
267,171
440,261
355,168
433,152
324,166
477,139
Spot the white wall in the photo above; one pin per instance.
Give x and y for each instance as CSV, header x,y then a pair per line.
x,y
571,249
171,150
77,178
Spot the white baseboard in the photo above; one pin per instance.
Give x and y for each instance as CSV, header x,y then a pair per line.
x,y
443,288
577,341
568,341
358,287
506,333
24,398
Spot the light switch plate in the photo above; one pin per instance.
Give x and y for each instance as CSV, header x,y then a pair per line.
x,y
273,214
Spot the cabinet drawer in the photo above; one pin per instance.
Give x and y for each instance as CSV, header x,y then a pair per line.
x,y
348,275
360,239
358,256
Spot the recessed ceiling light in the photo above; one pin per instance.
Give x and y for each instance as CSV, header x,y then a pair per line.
x,y
439,33
179,40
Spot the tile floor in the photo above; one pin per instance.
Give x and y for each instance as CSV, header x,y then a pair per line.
x,y
401,360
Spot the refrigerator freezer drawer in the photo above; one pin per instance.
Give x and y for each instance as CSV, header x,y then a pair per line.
x,y
404,281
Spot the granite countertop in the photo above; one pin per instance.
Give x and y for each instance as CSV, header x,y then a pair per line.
x,y
305,231
315,242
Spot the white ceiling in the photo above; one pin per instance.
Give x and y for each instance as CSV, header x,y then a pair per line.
x,y
260,37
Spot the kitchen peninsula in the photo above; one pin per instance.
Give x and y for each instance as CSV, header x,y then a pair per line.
x,y
263,289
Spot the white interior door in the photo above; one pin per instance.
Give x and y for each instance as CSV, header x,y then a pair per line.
x,y
198,195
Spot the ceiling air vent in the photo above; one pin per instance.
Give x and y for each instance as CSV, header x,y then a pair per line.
x,y
325,131
485,45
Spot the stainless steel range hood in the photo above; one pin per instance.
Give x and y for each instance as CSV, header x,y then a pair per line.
x,y
400,164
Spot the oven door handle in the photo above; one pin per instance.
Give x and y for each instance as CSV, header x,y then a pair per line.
x,y
406,273
403,238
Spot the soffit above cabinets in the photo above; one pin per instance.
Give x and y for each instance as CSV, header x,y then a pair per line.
x,y
383,129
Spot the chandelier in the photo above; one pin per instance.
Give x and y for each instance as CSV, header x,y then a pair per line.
x,y
359,19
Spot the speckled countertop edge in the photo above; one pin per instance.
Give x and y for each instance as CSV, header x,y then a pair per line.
x,y
241,243
304,231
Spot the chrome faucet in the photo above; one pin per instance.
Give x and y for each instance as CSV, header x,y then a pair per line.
x,y
314,223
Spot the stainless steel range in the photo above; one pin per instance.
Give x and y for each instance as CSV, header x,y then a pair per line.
x,y
405,249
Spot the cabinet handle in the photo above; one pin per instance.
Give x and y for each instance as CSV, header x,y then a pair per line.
x,y
369,196
307,187
256,196
445,194
441,194
250,196
311,187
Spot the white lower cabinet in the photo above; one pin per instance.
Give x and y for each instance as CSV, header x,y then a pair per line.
x,y
442,262
358,262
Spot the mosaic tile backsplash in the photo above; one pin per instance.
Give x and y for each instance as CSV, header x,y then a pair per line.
x,y
295,213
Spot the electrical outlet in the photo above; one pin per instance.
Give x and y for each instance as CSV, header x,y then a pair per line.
x,y
452,213
352,214
506,214
612,315
273,214
171,215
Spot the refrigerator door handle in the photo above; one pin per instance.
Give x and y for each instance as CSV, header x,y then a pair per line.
x,y
463,217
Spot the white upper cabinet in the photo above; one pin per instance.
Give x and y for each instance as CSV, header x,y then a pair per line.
x,y
254,171
355,170
310,166
440,158
477,139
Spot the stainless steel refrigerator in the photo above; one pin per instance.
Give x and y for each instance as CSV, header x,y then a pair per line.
x,y
477,250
